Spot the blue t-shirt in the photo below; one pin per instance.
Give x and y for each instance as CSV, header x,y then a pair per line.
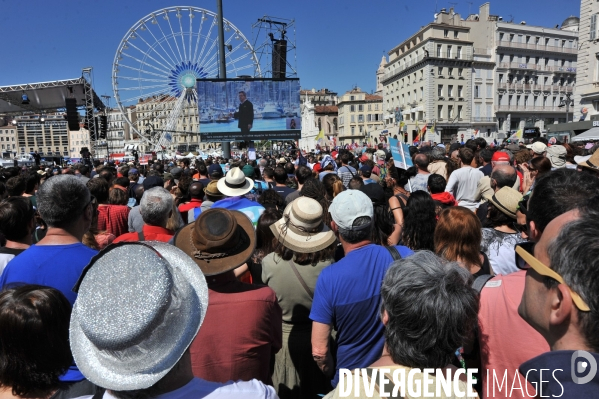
x,y
348,296
56,266
251,209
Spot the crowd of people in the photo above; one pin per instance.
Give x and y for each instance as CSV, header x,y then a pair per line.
x,y
265,278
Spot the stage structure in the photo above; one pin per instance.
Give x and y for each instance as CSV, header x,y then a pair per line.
x,y
275,46
159,60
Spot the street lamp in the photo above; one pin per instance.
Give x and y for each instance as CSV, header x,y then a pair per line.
x,y
567,102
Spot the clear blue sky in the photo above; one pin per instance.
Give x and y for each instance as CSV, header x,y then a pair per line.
x,y
339,42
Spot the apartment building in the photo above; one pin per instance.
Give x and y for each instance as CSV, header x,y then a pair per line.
x,y
320,97
360,114
533,71
46,134
428,80
586,97
8,140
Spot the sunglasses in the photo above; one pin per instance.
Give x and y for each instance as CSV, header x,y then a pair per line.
x,y
526,260
522,228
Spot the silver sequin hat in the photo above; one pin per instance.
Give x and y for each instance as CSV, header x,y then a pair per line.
x,y
139,307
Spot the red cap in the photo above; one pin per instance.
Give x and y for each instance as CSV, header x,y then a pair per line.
x,y
500,156
316,167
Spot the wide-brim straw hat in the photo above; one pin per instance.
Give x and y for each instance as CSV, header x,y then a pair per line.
x,y
218,241
302,228
139,307
506,201
592,162
235,183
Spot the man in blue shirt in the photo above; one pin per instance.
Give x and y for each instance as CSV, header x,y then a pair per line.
x,y
57,261
235,186
348,293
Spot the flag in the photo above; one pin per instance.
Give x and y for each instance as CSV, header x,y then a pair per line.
x,y
517,135
475,133
320,136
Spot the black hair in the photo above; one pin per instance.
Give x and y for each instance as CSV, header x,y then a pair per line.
x,y
558,192
98,187
15,215
15,186
436,183
34,339
420,220
302,174
271,199
280,175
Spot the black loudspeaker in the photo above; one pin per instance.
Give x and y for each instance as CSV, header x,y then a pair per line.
x,y
72,114
103,128
279,59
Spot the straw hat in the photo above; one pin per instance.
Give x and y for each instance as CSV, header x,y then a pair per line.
x,y
218,241
212,189
139,307
506,201
591,163
301,228
235,183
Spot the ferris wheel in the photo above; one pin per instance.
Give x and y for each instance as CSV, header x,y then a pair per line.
x,y
159,59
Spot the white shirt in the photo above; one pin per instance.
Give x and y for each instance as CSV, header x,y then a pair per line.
x,y
463,184
198,388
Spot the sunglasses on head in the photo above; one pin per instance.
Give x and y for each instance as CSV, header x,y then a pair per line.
x,y
526,260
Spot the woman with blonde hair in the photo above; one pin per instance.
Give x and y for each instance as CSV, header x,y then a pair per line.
x,y
457,239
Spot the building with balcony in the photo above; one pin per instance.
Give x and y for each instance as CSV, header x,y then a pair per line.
x,y
318,97
586,97
359,114
428,80
525,71
8,140
46,134
79,139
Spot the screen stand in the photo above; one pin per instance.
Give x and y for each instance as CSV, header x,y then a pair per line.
x,y
226,147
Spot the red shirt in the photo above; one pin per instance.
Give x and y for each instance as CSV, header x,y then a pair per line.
x,y
150,233
241,331
184,208
113,219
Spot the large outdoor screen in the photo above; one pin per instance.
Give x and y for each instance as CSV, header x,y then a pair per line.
x,y
249,109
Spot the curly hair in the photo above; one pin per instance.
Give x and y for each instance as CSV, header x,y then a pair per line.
x,y
420,220
383,224
271,199
34,339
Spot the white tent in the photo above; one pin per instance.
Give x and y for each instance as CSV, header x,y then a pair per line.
x,y
591,134
190,155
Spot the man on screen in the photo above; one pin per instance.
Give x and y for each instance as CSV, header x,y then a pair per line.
x,y
245,115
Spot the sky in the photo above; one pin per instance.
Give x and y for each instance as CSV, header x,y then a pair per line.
x,y
339,42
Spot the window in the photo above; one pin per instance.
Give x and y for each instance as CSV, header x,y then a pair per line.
x,y
489,91
450,111
440,70
527,39
476,91
352,108
352,118
500,78
449,51
489,112
459,52
500,36
439,111
445,33
352,98
489,74
450,71
440,90
369,107
360,108
461,91
439,50
455,34
421,93
360,118
511,37
353,130
460,71
478,74
450,91
460,112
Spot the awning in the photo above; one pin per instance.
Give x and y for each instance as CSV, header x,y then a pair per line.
x,y
591,134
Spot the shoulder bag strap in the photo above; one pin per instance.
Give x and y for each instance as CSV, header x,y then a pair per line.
x,y
301,280
480,282
141,236
394,253
99,393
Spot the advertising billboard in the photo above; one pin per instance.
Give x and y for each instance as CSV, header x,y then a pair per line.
x,y
249,109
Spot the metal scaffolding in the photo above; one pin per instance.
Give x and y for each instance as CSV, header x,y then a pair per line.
x,y
265,33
